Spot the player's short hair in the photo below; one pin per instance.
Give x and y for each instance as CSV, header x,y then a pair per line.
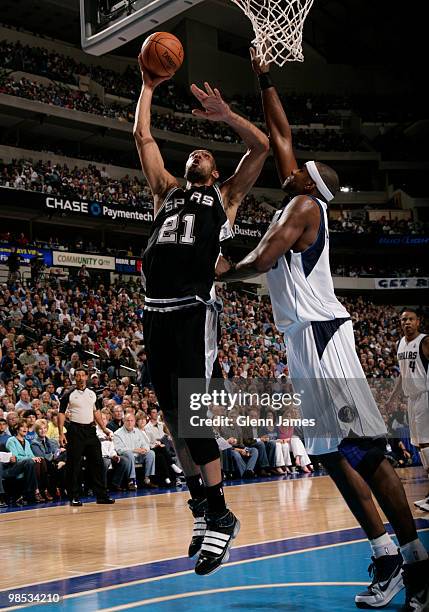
x,y
329,176
409,310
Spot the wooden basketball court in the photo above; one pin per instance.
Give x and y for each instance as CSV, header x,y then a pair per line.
x,y
298,546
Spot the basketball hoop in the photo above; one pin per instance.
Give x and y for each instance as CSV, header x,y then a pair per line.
x,y
278,26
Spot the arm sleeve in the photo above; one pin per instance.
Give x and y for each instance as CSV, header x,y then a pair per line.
x,y
37,451
118,443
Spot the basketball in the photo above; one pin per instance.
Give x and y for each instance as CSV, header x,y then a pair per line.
x,y
162,54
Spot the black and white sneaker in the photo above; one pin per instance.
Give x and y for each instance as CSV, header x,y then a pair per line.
x,y
221,531
423,504
416,580
386,574
198,508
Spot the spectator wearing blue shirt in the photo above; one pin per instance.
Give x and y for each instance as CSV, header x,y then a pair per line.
x,y
21,449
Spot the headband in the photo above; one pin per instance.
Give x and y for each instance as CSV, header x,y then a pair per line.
x,y
320,183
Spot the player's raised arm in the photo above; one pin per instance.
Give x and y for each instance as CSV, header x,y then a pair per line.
x,y
276,120
159,179
279,239
240,183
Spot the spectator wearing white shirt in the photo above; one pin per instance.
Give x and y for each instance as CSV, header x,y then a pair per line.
x,y
154,427
24,401
130,440
120,465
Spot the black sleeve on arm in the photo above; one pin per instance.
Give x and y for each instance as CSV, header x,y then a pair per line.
x,y
64,401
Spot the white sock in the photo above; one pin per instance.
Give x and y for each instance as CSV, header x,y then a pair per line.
x,y
384,545
414,551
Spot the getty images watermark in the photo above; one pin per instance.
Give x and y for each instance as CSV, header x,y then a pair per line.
x,y
315,407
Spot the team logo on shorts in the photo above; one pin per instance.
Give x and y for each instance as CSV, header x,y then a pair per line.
x,y
347,414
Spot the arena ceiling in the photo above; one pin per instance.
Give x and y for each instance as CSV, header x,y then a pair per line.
x,y
354,32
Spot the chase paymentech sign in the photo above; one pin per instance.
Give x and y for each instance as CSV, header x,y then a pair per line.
x,y
96,209
76,260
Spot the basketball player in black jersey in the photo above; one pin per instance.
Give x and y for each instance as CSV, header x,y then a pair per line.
x,y
360,466
180,319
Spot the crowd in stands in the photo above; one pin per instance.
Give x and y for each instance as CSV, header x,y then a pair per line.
x,y
74,99
48,332
88,183
379,226
302,108
77,100
379,269
91,183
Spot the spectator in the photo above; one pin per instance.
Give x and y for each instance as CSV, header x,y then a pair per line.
x,y
21,449
24,403
121,466
129,439
30,418
48,449
13,469
117,418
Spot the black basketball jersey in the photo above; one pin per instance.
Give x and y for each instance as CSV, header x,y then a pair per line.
x,y
184,243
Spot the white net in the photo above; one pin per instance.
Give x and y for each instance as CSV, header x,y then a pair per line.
x,y
278,26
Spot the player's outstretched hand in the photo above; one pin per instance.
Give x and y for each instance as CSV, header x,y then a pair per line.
x,y
215,108
150,80
222,267
258,66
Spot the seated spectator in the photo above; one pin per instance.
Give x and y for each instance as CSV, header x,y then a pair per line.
x,y
49,450
165,468
117,418
271,432
121,466
158,434
302,460
4,435
14,469
9,392
12,422
52,432
266,448
244,458
28,357
28,375
21,449
135,443
30,417
56,371
24,402
9,365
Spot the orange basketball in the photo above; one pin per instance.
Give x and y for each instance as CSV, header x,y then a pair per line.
x,y
162,54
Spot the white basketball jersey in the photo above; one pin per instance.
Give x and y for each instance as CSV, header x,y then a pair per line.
x,y
414,366
300,284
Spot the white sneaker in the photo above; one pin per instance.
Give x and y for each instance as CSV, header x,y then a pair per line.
x,y
386,573
176,468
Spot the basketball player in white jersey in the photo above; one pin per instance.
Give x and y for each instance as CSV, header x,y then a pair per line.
x,y
349,437
413,358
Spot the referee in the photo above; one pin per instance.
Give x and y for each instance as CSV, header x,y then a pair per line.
x,y
82,439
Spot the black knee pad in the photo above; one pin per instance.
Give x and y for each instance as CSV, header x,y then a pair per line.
x,y
203,450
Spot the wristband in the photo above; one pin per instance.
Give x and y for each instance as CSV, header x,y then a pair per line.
x,y
265,81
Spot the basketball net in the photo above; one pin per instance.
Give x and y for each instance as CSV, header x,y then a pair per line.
x,y
278,26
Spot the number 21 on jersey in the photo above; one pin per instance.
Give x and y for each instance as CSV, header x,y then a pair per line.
x,y
169,232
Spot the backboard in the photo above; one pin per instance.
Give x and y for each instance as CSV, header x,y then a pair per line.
x,y
108,24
